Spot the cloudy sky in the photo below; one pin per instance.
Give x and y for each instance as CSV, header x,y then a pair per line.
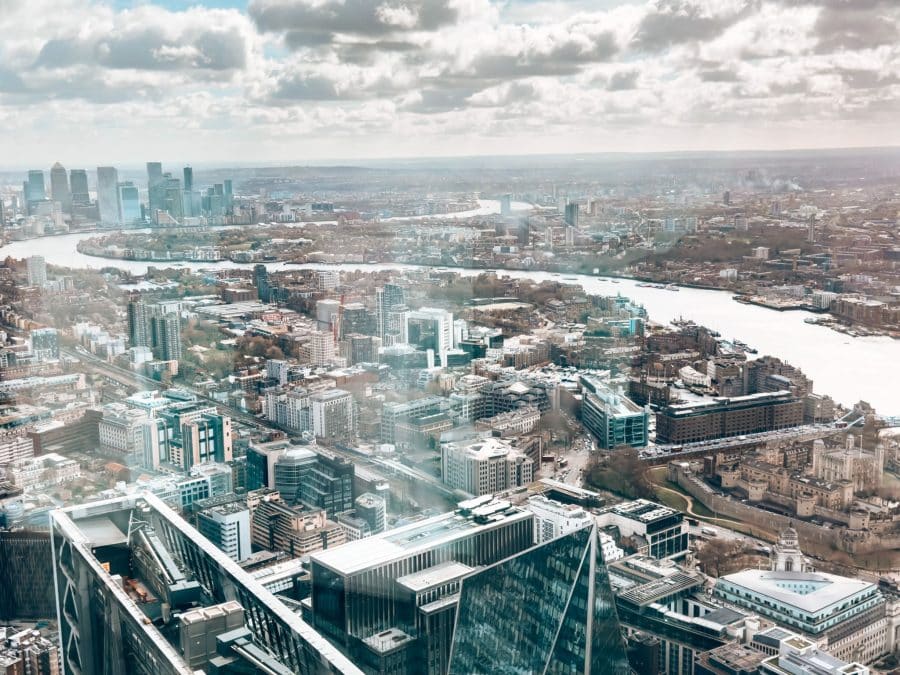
x,y
91,82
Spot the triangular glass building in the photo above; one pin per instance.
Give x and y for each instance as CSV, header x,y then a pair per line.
x,y
530,614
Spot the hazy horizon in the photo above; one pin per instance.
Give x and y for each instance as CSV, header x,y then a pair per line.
x,y
508,161
294,81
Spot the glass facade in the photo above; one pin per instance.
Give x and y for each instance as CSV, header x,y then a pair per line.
x,y
530,613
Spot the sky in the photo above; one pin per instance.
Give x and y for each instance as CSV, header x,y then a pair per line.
x,y
93,82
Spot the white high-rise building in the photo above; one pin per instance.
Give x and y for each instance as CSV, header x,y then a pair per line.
x,y
553,519
485,466
36,268
327,280
123,431
326,310
431,328
277,369
228,527
321,348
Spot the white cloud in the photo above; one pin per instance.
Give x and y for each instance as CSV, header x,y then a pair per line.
x,y
374,77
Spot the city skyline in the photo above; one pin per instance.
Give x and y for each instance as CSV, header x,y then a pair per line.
x,y
278,81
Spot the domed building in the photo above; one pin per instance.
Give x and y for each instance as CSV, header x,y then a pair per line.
x,y
847,616
786,554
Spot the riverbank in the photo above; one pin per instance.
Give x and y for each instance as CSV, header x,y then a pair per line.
x,y
864,368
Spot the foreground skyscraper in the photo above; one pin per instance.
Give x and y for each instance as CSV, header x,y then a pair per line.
x,y
122,569
390,599
549,609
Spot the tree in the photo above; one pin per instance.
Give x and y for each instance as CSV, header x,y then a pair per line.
x,y
274,352
718,556
621,472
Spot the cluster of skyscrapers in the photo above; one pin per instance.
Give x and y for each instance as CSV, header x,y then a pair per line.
x,y
170,200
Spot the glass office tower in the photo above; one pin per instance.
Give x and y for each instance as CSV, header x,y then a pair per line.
x,y
528,613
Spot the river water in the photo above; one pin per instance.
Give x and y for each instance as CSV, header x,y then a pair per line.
x,y
847,369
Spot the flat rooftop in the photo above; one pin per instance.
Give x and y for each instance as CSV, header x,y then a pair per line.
x,y
810,592
643,510
434,576
748,401
401,542
739,658
654,591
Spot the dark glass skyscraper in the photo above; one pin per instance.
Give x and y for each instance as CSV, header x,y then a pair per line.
x,y
165,331
549,609
155,192
34,190
80,193
261,280
138,323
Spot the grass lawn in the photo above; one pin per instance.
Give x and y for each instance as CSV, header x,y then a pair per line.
x,y
675,497
672,500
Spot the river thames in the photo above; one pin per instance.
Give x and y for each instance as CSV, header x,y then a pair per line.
x,y
847,369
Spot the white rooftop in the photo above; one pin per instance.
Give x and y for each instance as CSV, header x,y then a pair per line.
x,y
808,591
490,447
423,535
433,576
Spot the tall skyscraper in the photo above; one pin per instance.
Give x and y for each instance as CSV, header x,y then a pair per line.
x,y
173,197
108,195
187,207
568,624
34,192
138,322
261,281
36,269
387,299
129,203
572,214
229,197
81,196
59,187
165,331
155,194
216,196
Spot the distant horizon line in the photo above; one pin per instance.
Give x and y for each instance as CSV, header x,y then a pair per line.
x,y
361,162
